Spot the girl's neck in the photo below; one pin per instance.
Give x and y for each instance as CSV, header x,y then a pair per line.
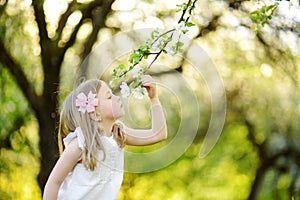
x,y
107,127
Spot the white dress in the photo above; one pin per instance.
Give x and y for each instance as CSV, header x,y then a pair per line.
x,y
102,183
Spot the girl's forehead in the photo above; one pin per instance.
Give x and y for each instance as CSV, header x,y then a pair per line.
x,y
103,84
104,88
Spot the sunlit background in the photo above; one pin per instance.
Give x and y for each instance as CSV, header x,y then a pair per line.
x,y
261,137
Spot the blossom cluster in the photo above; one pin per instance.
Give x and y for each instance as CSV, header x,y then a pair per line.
x,y
156,44
137,92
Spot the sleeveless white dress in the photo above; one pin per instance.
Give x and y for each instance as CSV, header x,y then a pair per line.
x,y
102,183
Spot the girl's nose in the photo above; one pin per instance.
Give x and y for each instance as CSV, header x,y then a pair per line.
x,y
117,97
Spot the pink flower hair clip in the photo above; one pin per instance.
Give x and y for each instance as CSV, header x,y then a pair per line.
x,y
86,103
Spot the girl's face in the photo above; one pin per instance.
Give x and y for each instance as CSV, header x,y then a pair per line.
x,y
110,105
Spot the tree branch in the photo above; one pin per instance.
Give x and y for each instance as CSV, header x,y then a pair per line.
x,y
16,71
270,48
260,172
98,22
40,19
64,18
184,11
3,7
86,14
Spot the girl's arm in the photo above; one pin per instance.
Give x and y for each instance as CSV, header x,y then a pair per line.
x,y
64,165
158,131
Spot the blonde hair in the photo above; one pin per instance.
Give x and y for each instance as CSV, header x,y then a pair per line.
x,y
71,118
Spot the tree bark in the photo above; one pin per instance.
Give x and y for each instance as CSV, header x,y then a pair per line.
x,y
47,118
257,181
48,147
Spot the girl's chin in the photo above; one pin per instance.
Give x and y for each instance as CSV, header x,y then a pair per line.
x,y
119,115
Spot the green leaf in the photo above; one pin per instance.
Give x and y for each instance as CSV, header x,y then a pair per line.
x,y
115,71
169,39
154,34
270,7
137,52
126,77
143,48
113,82
254,12
184,31
135,83
189,24
122,67
179,44
134,58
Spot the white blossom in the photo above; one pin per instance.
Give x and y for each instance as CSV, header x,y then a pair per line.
x,y
125,90
139,92
170,51
136,71
155,46
180,27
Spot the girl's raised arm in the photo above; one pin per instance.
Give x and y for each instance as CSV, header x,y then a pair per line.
x,y
64,165
158,131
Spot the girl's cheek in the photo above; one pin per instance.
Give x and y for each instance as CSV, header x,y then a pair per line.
x,y
104,108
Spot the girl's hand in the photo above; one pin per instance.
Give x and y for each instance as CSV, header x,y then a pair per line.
x,y
149,83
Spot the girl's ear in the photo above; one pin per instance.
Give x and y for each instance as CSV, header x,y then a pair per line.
x,y
95,116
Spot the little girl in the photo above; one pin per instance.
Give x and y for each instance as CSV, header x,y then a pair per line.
x,y
91,161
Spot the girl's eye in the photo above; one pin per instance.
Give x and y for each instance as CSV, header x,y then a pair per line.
x,y
110,96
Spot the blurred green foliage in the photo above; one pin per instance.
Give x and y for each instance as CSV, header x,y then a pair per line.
x,y
221,175
18,145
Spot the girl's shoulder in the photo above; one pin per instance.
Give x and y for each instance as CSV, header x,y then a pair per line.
x,y
119,135
120,123
73,135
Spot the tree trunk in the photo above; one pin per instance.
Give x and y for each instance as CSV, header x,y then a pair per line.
x,y
257,181
47,117
48,148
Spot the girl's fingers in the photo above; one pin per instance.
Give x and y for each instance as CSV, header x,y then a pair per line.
x,y
147,80
149,83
